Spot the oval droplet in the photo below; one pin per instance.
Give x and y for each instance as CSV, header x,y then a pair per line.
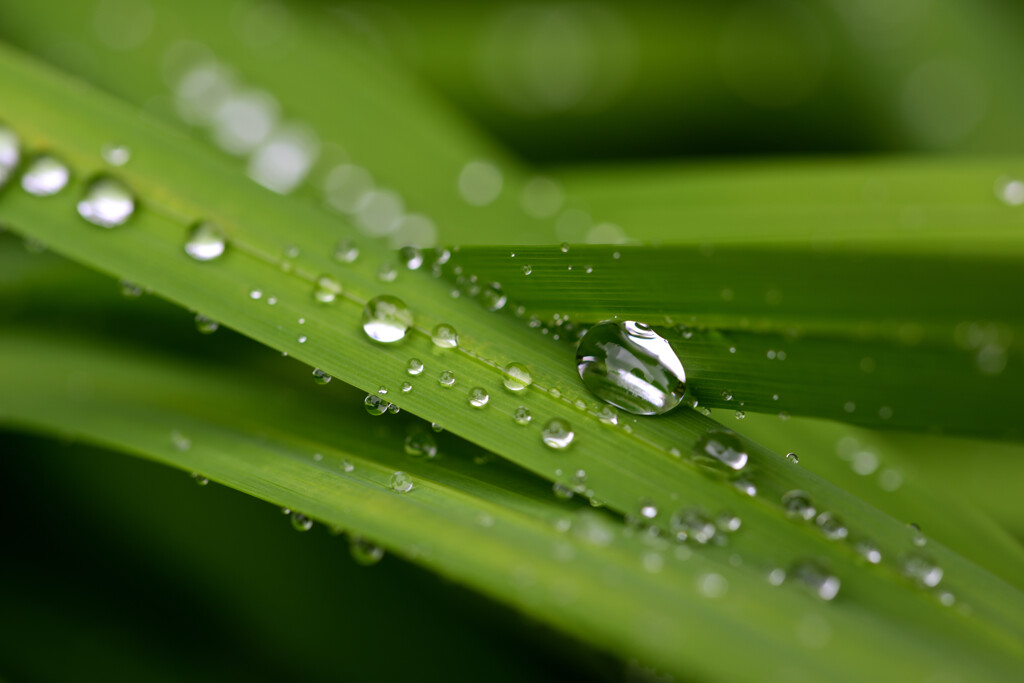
x,y
411,257
205,242
446,379
365,552
831,526
45,176
445,336
478,397
346,252
414,366
557,434
521,416
691,524
107,203
375,405
493,297
630,366
401,482
922,569
516,377
815,578
327,289
798,504
421,443
206,325
386,319
320,377
721,448
301,522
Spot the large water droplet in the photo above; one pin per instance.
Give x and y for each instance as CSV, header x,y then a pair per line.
x,y
205,242
521,416
414,366
478,397
720,448
446,379
557,434
401,482
46,175
445,336
107,203
327,289
816,578
375,405
386,319
630,366
364,552
516,377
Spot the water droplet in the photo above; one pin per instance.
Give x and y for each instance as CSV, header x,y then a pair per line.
x,y
346,252
387,272
364,552
831,526
327,289
712,585
107,203
1010,191
493,297
320,377
445,336
205,242
527,269
564,248
401,482
302,339
199,479
521,416
46,175
478,397
301,522
255,294
347,466
446,379
608,416
180,442
420,443
922,569
869,551
414,366
561,490
557,434
375,405
816,578
648,510
516,377
739,414
793,458
116,155
630,366
130,289
386,319
918,538
480,183
719,448
411,257
728,522
10,149
206,325
798,504
406,387
692,524
746,487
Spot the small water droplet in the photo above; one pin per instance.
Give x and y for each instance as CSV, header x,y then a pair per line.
x,y
493,297
387,272
301,522
420,443
717,448
739,414
107,203
364,552
691,524
46,175
869,551
561,490
793,458
728,523
527,269
557,434
115,154
412,258
206,325
205,242
199,479
516,377
255,294
648,510
745,486
401,482
130,289
445,336
816,578
918,538
446,379
564,248
521,416
406,387
327,289
180,442
10,150
478,397
1010,191
347,466
831,526
375,405
302,339
346,252
798,504
712,585
608,416
320,377
386,319
922,569
414,366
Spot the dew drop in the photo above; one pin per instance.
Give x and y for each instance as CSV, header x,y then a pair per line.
x,y
561,490
375,405
922,569
793,458
869,551
364,552
648,510
116,155
301,522
1010,191
557,434
516,377
831,526
199,479
414,366
46,175
255,294
130,289
446,379
719,448
406,387
327,289
320,377
564,248
180,442
815,578
691,524
10,150
346,252
739,415
521,416
107,203
478,397
444,336
712,585
630,366
386,319
420,443
412,258
527,269
206,325
608,416
401,482
493,297
798,504
728,523
387,272
205,242
301,339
